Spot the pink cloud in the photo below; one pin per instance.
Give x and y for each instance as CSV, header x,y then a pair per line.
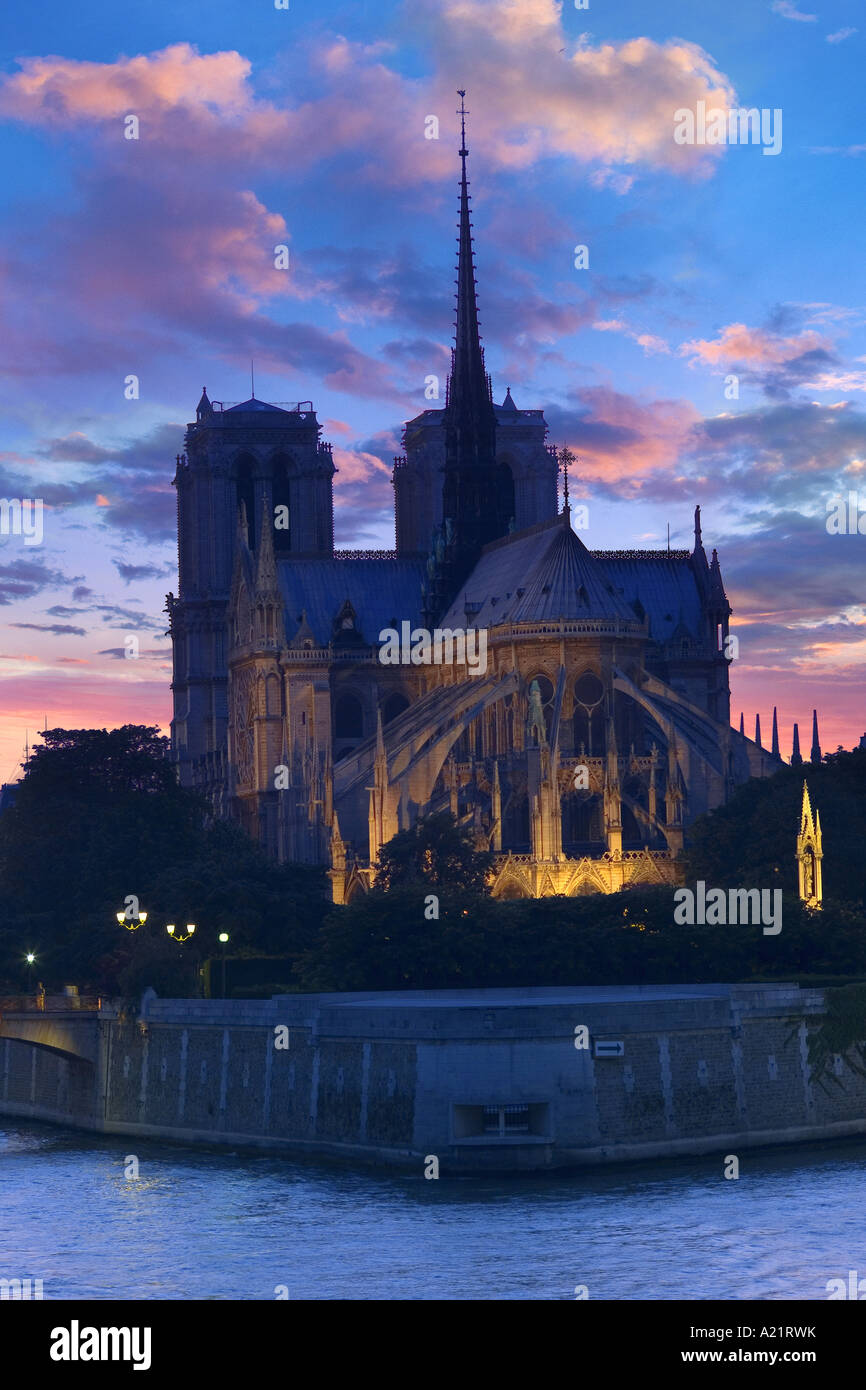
x,y
608,106
651,344
357,466
621,439
738,343
54,90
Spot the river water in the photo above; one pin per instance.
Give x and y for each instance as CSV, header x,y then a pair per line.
x,y
208,1225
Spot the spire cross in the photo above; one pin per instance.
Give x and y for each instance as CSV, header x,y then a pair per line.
x,y
565,458
462,113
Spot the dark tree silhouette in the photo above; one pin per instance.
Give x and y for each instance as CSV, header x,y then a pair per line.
x,y
436,851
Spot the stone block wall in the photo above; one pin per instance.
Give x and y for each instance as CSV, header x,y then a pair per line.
x,y
390,1079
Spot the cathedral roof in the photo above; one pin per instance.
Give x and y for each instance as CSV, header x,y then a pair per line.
x,y
506,414
542,573
664,585
253,404
382,592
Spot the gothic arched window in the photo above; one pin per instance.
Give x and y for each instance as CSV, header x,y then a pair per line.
x,y
588,724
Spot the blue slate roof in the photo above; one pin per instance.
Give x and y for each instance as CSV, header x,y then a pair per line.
x,y
380,591
253,404
542,573
666,587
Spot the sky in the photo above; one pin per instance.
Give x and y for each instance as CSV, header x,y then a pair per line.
x,y
712,351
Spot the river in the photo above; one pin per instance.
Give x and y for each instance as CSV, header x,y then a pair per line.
x,y
210,1225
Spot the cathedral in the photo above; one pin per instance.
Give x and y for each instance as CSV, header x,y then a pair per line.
x,y
597,726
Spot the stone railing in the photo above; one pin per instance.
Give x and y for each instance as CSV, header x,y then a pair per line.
x,y
50,1003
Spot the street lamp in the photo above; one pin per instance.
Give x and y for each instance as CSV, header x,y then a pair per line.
x,y
131,918
30,958
171,929
223,937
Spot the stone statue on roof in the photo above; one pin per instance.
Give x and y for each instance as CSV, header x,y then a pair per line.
x,y
536,724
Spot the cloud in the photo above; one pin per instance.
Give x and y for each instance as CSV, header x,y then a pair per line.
x,y
147,653
130,572
22,579
59,91
622,441
76,448
839,381
850,151
133,495
363,494
608,106
783,455
840,35
778,364
127,617
651,344
212,282
788,10
737,343
59,629
146,511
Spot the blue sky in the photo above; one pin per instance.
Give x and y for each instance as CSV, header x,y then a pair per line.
x,y
306,127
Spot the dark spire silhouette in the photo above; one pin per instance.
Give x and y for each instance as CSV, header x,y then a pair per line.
x,y
815,755
796,759
717,587
468,386
478,501
743,724
758,731
776,753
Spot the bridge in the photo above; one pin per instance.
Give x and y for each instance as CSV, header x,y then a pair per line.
x,y
52,1056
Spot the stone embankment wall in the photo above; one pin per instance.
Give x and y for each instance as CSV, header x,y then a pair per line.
x,y
483,1080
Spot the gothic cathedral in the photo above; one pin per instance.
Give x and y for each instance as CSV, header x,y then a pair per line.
x,y
596,728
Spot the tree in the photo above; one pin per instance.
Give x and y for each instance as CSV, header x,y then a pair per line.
x,y
751,841
841,1033
99,816
437,852
384,941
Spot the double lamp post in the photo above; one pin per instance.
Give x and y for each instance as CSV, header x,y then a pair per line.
x,y
132,918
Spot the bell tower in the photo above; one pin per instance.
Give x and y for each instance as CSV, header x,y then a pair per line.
x,y
269,463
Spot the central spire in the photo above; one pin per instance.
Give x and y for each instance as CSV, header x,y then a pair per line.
x,y
477,501
469,385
